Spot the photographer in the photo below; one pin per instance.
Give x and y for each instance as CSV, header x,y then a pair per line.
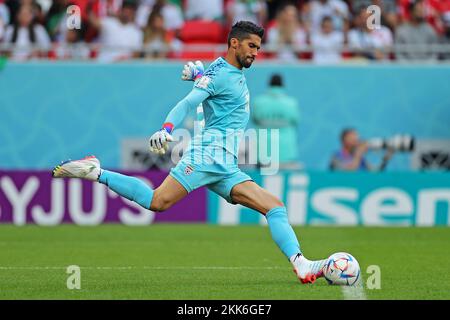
x,y
351,157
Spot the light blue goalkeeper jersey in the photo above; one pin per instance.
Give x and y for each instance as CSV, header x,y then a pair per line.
x,y
224,94
227,106
225,112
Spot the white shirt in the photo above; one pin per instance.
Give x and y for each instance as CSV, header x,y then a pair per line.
x,y
204,9
378,38
327,47
121,40
23,43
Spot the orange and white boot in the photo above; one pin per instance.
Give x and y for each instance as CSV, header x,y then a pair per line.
x,y
307,271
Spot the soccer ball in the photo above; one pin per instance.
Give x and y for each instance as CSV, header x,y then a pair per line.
x,y
342,269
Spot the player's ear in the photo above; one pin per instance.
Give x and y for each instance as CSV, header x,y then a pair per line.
x,y
234,43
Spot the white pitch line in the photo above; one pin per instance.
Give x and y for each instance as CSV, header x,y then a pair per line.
x,y
140,267
355,292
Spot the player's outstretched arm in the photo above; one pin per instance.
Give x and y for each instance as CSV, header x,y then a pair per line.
x,y
160,139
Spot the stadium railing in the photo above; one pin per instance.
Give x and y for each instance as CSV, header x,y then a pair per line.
x,y
211,51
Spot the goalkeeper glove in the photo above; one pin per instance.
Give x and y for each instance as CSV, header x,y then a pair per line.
x,y
192,72
159,141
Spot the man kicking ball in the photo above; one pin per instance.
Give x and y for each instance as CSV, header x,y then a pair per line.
x,y
211,158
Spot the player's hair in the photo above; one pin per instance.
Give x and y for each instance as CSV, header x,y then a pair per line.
x,y
243,29
345,132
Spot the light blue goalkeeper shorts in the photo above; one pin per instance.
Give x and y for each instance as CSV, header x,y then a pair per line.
x,y
219,178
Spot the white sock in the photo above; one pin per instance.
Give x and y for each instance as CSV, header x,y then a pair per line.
x,y
296,257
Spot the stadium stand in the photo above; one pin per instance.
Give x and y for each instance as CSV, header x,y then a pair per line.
x,y
184,36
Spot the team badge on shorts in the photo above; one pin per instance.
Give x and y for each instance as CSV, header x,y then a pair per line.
x,y
188,170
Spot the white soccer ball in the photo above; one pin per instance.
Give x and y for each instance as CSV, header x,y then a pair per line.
x,y
342,269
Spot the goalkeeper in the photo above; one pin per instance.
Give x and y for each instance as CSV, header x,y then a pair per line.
x,y
211,158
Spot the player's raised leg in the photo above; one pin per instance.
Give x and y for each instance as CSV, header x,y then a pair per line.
x,y
134,189
251,195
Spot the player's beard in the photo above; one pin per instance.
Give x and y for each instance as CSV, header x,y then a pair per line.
x,y
245,61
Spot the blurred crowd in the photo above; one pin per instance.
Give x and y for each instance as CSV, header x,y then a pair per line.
x,y
323,31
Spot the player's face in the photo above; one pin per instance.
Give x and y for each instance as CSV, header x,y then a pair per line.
x,y
248,50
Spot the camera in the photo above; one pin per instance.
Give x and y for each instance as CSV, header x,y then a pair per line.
x,y
399,142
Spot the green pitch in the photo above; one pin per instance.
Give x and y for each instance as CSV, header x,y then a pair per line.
x,y
213,262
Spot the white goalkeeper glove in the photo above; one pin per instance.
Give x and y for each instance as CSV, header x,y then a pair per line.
x,y
192,71
159,141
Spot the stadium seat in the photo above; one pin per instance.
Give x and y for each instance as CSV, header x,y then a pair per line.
x,y
197,55
201,31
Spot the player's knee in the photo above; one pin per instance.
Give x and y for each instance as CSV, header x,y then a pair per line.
x,y
160,203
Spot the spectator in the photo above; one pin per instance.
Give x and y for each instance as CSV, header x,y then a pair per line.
x,y
286,36
55,19
276,110
120,38
72,46
435,12
4,19
39,14
156,40
351,157
439,12
98,9
416,36
446,20
172,15
29,39
14,6
327,43
316,10
246,10
204,10
369,43
273,7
